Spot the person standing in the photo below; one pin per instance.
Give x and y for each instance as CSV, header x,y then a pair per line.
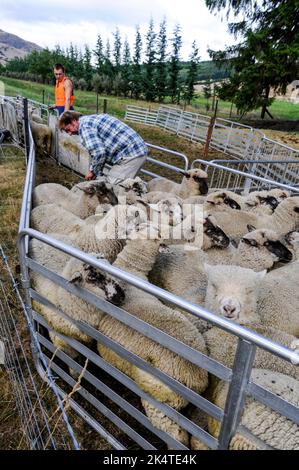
x,y
64,96
108,141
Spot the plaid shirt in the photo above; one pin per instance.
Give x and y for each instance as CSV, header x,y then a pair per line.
x,y
108,140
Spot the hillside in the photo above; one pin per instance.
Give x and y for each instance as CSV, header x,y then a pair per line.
x,y
12,46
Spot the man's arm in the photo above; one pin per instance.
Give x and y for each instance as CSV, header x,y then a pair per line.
x,y
91,141
68,93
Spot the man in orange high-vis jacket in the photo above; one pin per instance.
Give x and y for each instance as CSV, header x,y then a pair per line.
x,y
64,97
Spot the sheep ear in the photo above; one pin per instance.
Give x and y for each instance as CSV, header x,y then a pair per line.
x,y
250,228
234,243
90,190
76,278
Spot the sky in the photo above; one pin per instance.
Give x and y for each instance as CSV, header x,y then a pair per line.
x,y
51,22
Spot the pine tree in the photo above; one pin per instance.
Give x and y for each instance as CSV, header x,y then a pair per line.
x,y
88,71
191,74
126,68
161,65
136,69
108,68
99,54
149,83
174,69
117,50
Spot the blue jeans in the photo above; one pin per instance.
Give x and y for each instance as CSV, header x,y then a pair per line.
x,y
60,109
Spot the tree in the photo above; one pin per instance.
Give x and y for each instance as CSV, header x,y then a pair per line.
x,y
191,74
149,82
99,54
117,50
126,68
88,71
266,58
174,69
136,68
107,65
161,65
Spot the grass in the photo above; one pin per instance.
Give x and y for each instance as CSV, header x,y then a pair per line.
x,y
86,102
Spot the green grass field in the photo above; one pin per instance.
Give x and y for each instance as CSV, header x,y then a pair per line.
x,y
86,101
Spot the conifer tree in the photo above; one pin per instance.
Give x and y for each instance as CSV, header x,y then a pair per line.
x,y
117,50
136,68
126,68
149,82
99,54
174,68
191,74
161,64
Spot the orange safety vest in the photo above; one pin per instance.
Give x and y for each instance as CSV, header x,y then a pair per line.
x,y
60,93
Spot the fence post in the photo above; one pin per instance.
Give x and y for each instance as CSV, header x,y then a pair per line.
x,y
210,132
43,97
26,127
237,392
105,105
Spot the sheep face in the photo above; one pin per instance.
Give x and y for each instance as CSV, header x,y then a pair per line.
x,y
270,201
137,185
99,192
198,178
170,211
267,239
222,198
232,292
98,282
213,235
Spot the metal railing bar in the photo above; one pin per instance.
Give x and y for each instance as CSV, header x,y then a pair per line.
x,y
199,311
178,387
105,390
170,412
275,402
234,404
146,329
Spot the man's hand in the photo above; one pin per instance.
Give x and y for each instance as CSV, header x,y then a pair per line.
x,y
52,107
90,175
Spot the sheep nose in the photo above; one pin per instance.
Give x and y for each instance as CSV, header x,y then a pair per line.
x,y
229,310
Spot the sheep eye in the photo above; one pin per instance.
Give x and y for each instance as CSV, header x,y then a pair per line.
x,y
266,244
136,214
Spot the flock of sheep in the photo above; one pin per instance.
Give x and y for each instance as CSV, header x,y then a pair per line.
x,y
238,259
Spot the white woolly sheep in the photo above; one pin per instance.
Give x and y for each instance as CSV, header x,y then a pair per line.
x,y
138,258
233,292
194,183
284,219
83,275
264,423
83,204
42,136
105,235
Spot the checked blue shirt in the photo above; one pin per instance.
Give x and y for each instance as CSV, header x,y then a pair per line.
x,y
108,140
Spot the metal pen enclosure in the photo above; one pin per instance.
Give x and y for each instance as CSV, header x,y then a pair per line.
x,y
239,377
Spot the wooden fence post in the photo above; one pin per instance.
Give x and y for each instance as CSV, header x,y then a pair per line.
x,y
210,132
105,105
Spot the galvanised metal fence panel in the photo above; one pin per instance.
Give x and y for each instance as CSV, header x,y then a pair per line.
x,y
141,115
242,176
239,377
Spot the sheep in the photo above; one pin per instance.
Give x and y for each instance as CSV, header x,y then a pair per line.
x,y
83,275
42,136
284,219
292,239
267,425
233,293
106,235
154,197
82,204
278,301
259,249
138,258
194,183
131,189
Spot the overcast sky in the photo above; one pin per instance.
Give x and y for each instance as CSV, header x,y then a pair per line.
x,y
51,22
